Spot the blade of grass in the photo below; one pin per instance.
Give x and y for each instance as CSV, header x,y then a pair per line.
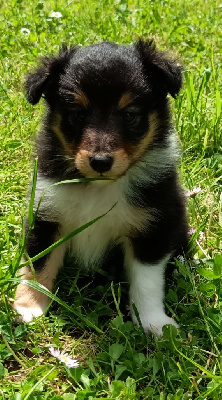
x,y
44,290
39,382
13,353
32,197
67,237
208,374
32,216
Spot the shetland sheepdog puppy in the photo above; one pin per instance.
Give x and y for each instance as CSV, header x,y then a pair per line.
x,y
107,117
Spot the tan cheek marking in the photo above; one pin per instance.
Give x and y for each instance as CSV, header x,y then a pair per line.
x,y
56,129
135,152
81,98
121,163
125,100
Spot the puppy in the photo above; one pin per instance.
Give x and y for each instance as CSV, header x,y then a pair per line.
x,y
107,117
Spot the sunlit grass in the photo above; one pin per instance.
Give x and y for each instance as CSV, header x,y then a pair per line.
x,y
117,361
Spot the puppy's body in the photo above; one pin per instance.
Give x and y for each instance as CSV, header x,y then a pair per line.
x,y
108,116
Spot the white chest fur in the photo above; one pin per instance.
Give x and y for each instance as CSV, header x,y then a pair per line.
x,y
73,205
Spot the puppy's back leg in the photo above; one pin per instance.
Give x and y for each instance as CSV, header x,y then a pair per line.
x,y
29,302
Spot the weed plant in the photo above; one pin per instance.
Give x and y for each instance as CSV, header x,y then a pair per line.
x,y
88,316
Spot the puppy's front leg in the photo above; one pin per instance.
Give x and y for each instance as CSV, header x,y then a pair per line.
x,y
29,302
147,293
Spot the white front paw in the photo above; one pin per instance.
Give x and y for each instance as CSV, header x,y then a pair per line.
x,y
29,303
155,323
28,314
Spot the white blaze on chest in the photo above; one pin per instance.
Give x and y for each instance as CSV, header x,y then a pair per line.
x,y
75,205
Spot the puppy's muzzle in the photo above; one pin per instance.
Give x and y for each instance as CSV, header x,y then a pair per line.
x,y
101,163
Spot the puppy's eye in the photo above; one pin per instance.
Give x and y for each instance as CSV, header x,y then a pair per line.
x,y
77,115
131,117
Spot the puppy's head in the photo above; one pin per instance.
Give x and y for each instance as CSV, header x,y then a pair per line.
x,y
105,103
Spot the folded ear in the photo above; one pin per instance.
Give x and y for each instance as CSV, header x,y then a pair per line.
x,y
44,80
161,70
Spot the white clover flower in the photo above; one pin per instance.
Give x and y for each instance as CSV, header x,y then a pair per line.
x,y
191,231
193,192
25,31
55,14
201,236
63,358
181,259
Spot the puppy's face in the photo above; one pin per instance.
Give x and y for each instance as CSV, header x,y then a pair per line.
x,y
104,102
103,110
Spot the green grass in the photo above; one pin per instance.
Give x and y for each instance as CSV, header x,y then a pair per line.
x,y
117,360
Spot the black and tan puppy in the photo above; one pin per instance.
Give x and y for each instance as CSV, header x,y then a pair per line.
x,y
107,116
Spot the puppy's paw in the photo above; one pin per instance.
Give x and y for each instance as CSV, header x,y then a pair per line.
x,y
28,314
29,303
157,326
155,323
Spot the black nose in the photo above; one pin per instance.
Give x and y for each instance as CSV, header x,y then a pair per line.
x,y
101,163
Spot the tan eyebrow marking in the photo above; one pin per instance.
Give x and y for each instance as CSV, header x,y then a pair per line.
x,y
81,98
125,100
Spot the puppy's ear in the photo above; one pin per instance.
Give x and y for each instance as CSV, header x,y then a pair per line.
x,y
44,80
161,70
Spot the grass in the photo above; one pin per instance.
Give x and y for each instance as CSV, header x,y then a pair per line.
x,y
117,360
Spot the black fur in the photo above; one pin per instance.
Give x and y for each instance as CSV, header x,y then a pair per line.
x,y
41,237
170,234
